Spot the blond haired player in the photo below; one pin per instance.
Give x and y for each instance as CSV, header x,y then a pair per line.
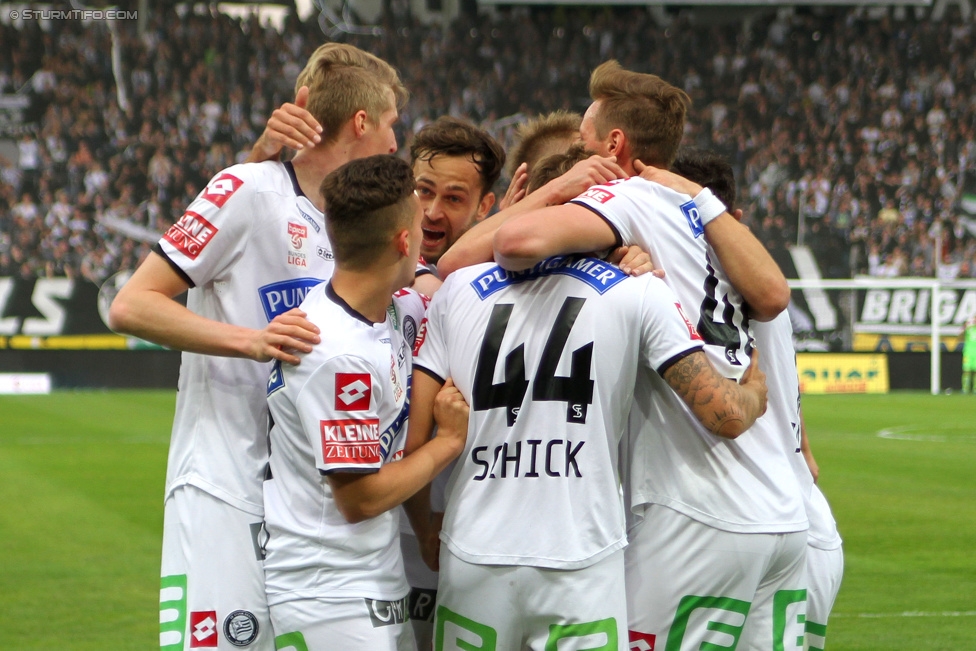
x,y
248,248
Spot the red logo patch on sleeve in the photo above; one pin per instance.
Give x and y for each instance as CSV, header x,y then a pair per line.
x,y
421,337
203,629
691,328
191,234
350,442
597,194
352,391
641,641
220,189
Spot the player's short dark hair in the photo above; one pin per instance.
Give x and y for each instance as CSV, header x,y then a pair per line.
x,y
650,111
709,170
449,136
554,166
365,205
543,136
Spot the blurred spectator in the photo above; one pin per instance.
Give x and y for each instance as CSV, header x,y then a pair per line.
x,y
855,129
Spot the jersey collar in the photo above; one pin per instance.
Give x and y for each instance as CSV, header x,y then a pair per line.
x,y
294,179
338,300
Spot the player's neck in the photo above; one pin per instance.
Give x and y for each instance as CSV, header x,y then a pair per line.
x,y
313,165
369,292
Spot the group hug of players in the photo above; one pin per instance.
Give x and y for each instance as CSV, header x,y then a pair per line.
x,y
556,452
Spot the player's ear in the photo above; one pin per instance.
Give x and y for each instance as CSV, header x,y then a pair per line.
x,y
737,214
401,242
359,121
484,207
617,143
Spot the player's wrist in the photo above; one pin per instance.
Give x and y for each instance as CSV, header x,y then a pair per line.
x,y
709,206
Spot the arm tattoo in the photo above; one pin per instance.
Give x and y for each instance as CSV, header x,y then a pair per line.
x,y
719,403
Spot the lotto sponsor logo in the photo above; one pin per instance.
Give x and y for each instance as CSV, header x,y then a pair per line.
x,y
641,641
597,194
298,234
219,190
191,234
692,330
350,442
203,629
324,253
353,391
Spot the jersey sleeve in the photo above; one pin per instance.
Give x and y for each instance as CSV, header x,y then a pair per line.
x,y
667,335
430,349
617,205
631,205
338,409
213,230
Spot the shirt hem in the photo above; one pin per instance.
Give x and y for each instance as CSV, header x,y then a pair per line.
x,y
533,561
215,491
715,522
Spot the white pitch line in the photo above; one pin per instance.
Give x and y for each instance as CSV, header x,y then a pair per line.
x,y
923,433
911,613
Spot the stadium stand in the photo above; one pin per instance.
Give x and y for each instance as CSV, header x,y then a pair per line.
x,y
849,133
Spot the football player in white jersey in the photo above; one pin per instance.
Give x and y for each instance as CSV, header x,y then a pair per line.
x,y
249,248
534,528
456,165
824,553
824,565
334,577
718,526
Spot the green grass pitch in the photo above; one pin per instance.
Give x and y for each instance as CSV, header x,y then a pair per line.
x,y
81,484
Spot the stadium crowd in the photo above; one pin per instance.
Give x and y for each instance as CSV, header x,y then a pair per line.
x,y
848,131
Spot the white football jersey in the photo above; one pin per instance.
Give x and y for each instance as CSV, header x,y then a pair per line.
x,y
546,360
343,409
251,245
746,485
778,361
823,532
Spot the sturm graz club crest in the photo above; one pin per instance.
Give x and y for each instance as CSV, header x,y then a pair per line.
x,y
240,628
409,330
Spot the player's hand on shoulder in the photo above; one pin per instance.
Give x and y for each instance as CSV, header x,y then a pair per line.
x,y
290,126
634,261
595,170
667,178
516,189
286,335
451,415
755,380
